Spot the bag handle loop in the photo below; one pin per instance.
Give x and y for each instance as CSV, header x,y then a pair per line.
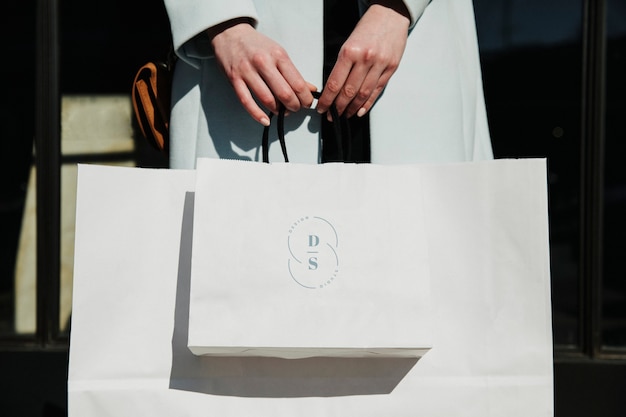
x,y
280,127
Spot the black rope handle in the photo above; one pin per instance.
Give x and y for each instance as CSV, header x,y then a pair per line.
x,y
280,127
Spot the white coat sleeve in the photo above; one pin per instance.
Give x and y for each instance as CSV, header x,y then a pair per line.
x,y
415,8
189,19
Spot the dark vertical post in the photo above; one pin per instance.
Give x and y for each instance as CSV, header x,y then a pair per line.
x,y
47,160
592,163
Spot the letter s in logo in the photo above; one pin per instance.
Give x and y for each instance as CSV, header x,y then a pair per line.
x,y
313,263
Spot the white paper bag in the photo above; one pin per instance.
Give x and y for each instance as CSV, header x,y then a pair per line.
x,y
487,241
297,261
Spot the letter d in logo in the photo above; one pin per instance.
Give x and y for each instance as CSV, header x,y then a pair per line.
x,y
313,241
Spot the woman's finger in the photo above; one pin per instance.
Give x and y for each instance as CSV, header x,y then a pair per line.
x,y
369,103
296,82
373,79
354,88
249,103
334,84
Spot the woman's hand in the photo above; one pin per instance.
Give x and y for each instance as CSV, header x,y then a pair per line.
x,y
259,67
367,59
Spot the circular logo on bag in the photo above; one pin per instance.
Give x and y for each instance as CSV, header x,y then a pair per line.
x,y
313,261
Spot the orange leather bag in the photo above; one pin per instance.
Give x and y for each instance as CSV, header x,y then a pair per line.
x,y
151,94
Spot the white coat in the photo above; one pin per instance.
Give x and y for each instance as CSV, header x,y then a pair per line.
x,y
432,110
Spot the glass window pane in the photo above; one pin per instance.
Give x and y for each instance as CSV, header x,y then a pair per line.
x,y
614,282
531,55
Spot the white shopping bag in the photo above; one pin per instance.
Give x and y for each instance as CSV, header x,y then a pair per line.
x,y
294,261
487,236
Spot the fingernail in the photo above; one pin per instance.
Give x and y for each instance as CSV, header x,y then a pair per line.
x,y
361,112
265,121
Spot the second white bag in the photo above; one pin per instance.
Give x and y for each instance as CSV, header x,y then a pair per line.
x,y
298,261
